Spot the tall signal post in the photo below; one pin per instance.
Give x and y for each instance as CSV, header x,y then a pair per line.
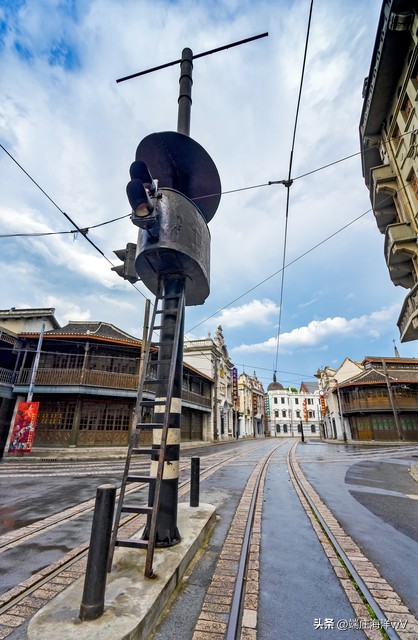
x,y
174,192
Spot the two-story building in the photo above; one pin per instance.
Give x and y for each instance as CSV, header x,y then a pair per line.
x,y
378,402
85,377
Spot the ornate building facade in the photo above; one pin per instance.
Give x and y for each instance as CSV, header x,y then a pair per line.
x,y
389,145
292,412
251,407
210,356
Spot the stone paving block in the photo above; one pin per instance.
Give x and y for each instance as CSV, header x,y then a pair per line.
x,y
218,590
213,627
218,599
206,635
251,601
11,620
249,618
252,587
214,616
216,608
219,577
4,632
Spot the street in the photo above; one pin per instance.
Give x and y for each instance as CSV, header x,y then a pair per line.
x,y
47,511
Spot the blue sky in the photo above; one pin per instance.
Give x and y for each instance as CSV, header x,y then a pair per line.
x,y
75,130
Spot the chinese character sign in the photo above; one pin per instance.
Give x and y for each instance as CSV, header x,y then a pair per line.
x,y
255,403
322,401
24,427
305,410
266,408
234,385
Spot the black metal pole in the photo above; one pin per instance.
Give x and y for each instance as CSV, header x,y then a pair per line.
x,y
194,482
185,92
302,437
167,533
92,604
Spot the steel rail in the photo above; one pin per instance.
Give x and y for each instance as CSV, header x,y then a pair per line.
x,y
8,542
82,550
391,633
234,621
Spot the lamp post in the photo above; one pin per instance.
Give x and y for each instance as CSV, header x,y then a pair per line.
x,y
392,402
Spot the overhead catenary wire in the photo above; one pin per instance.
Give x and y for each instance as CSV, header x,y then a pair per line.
x,y
290,181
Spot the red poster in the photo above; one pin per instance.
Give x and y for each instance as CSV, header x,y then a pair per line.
x,y
24,427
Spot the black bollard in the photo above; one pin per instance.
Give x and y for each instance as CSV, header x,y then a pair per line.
x,y
194,482
92,604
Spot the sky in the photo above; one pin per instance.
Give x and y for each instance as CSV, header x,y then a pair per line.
x,y
69,127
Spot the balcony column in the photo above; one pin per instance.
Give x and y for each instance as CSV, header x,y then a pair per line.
x,y
75,428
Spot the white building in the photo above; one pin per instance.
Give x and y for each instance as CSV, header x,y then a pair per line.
x,y
292,411
210,356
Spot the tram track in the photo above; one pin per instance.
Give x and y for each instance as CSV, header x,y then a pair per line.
x,y
236,575
11,539
72,565
373,599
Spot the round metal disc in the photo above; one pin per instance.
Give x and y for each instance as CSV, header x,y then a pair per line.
x,y
179,162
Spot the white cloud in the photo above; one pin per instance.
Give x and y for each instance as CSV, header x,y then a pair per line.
x,y
259,312
318,332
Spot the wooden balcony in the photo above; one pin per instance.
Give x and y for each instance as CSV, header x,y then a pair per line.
x,y
379,403
98,379
6,376
79,377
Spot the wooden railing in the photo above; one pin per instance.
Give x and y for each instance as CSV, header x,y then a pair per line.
x,y
94,378
6,376
89,377
195,398
380,402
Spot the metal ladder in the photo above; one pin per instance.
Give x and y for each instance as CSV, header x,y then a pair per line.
x,y
133,449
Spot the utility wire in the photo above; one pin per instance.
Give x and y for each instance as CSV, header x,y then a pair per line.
x,y
290,182
289,264
57,233
78,229
82,231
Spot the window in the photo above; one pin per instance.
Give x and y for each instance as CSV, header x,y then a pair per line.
x,y
414,183
284,413
406,108
296,400
298,413
282,400
275,400
277,428
276,414
313,429
285,428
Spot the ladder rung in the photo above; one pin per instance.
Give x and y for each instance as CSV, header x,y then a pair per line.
x,y
149,425
156,381
167,311
158,343
147,451
140,479
151,403
134,544
161,361
136,509
170,296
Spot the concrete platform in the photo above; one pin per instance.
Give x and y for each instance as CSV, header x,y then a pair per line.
x,y
132,602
